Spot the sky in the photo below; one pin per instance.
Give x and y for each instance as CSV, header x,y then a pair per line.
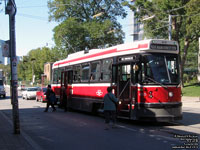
x,y
33,30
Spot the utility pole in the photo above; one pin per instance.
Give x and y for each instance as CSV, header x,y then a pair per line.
x,y
11,10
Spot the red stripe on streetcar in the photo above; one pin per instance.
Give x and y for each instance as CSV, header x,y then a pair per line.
x,y
86,57
139,46
101,53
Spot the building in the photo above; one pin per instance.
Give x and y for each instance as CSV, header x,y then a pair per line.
x,y
138,28
138,31
48,71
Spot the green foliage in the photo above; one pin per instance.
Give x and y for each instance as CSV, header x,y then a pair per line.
x,y
79,30
193,26
185,23
157,27
192,56
6,70
34,62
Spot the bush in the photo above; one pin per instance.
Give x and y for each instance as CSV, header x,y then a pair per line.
x,y
190,78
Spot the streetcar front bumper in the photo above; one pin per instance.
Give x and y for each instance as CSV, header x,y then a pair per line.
x,y
162,112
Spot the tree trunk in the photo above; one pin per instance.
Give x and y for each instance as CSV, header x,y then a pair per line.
x,y
183,59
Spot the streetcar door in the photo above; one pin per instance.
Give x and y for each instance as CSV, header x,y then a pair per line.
x,y
63,86
66,80
121,79
124,80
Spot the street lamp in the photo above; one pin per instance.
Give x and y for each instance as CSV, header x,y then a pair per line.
x,y
33,76
99,14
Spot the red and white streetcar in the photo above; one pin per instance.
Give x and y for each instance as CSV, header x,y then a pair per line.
x,y
143,74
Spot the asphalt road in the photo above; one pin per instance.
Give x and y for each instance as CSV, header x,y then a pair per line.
x,y
76,130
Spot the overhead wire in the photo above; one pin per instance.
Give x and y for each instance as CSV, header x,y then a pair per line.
x,y
171,10
42,18
177,21
32,16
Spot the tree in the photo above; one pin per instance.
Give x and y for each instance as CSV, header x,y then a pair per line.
x,y
185,21
7,73
79,30
35,61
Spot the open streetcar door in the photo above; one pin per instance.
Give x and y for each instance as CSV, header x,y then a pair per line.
x,y
66,79
121,79
124,81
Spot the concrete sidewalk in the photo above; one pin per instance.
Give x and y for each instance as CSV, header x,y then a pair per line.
x,y
9,140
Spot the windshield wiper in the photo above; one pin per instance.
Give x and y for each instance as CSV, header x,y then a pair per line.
x,y
148,78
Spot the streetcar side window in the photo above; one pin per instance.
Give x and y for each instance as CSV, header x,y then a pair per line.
x,y
55,76
70,77
95,71
126,72
106,70
77,74
59,75
85,72
173,69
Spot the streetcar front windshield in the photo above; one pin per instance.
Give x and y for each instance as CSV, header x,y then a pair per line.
x,y
160,68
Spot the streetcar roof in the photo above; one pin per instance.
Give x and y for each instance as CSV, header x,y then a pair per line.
x,y
119,50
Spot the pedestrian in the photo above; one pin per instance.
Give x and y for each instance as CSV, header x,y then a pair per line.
x,y
110,107
49,93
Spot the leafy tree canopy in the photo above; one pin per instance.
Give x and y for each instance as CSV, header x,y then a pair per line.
x,y
35,60
78,29
185,21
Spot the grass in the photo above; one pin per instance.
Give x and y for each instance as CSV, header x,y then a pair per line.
x,y
192,90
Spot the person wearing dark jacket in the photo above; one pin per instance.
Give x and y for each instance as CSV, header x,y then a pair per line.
x,y
110,108
48,93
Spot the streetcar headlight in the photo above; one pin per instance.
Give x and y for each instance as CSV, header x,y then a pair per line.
x,y
171,94
120,102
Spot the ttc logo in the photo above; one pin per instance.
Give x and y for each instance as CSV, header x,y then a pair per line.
x,y
99,93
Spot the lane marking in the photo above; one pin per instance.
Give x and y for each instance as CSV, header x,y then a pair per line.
x,y
124,127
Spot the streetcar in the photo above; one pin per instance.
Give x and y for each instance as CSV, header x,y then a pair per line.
x,y
144,76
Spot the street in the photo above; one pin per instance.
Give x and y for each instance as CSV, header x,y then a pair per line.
x,y
77,130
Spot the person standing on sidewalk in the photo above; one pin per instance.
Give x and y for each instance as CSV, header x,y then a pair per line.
x,y
49,93
110,107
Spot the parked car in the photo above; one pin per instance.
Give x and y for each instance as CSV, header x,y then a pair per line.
x,y
40,94
29,93
21,87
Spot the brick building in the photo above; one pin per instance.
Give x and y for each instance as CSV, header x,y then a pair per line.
x,y
48,70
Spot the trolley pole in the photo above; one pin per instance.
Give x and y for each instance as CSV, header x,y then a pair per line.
x,y
11,10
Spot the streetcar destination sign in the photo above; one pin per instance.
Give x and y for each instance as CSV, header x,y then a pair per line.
x,y
163,47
